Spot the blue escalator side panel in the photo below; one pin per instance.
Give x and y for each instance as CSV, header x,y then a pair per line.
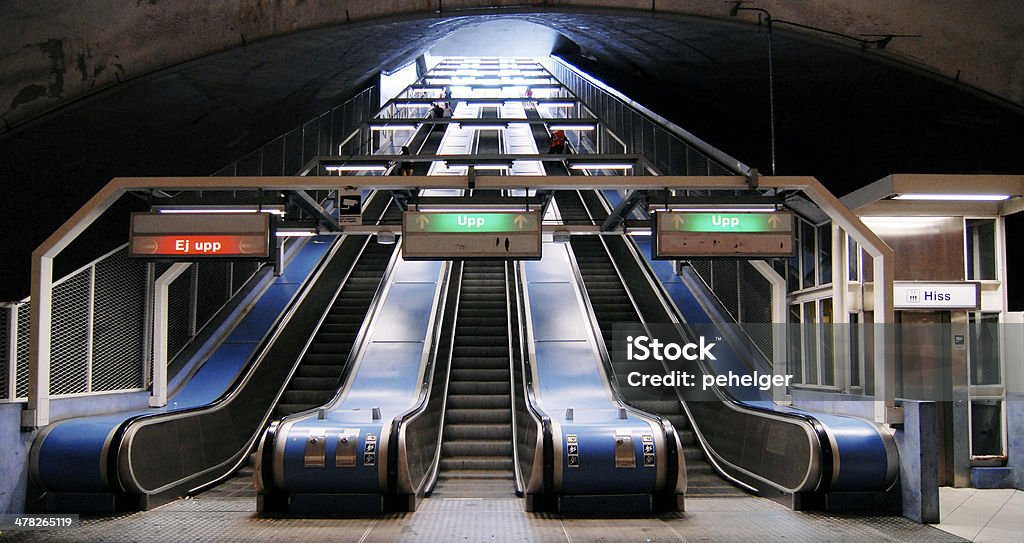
x,y
388,372
71,457
570,375
597,473
863,457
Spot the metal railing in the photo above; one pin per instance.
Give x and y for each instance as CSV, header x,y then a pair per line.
x,y
101,335
100,338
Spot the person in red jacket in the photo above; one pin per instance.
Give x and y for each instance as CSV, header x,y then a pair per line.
x,y
557,142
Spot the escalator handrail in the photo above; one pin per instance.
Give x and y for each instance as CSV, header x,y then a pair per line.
x,y
536,412
516,469
420,406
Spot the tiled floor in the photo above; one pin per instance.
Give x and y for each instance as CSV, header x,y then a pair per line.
x,y
492,520
983,516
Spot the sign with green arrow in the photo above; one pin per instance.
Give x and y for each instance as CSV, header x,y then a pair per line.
x,y
681,234
445,235
748,222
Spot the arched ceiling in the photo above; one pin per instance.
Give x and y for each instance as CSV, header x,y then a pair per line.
x,y
846,115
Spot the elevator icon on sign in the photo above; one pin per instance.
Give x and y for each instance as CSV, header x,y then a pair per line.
x,y
913,296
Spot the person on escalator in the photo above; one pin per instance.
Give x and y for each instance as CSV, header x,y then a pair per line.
x,y
446,111
406,167
557,142
437,111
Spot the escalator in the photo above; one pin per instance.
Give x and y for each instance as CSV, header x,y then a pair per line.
x,y
317,377
540,134
476,455
613,304
801,458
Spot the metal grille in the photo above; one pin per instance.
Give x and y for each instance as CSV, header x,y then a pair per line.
x,y
727,285
213,290
756,303
179,313
21,371
69,337
120,298
703,269
5,321
241,272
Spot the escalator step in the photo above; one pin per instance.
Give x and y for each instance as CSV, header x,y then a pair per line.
x,y
313,383
480,401
482,449
319,371
478,387
480,374
477,431
477,416
476,463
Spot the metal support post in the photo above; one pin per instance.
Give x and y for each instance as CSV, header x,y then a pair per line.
x,y
37,413
158,397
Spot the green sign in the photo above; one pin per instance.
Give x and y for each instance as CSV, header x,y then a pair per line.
x,y
748,222
469,223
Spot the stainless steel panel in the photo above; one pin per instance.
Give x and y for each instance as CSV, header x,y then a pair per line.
x,y
348,448
316,449
625,455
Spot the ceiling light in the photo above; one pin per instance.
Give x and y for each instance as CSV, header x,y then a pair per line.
x,y
271,210
386,237
954,197
356,168
572,127
295,233
379,127
585,166
561,236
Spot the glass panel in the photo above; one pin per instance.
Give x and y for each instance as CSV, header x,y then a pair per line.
x,y
853,263
986,428
827,346
794,362
981,249
810,343
825,254
807,254
984,349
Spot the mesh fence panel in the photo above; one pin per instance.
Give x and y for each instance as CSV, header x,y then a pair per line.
x,y
5,321
756,301
69,337
212,290
726,286
118,323
21,370
179,313
703,269
242,272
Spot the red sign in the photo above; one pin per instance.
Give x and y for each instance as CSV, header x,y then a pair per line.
x,y
194,245
198,236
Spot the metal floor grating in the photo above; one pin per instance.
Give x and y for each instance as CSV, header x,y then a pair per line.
x,y
214,517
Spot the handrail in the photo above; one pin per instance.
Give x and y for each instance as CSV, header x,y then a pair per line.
x,y
397,444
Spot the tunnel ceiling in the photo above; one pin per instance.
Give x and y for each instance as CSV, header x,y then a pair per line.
x,y
843,115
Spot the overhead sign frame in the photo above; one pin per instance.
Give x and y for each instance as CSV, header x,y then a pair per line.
x,y
191,237
472,235
725,234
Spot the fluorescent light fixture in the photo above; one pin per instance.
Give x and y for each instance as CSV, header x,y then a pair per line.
x,y
572,126
410,106
386,237
295,233
640,232
380,127
271,210
479,167
483,126
954,197
561,236
489,104
711,209
558,104
357,168
584,166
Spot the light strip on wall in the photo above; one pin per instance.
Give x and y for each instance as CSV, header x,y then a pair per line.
x,y
601,166
357,168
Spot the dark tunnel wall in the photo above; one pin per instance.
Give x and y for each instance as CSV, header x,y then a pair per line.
x,y
845,115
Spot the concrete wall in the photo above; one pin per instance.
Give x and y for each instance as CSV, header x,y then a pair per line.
x,y
52,53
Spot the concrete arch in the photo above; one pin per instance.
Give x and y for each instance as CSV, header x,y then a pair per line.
x,y
54,53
